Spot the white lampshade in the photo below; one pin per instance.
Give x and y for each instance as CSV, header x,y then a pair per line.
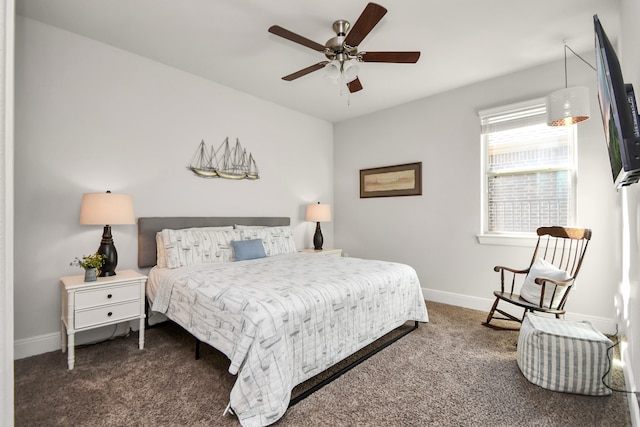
x,y
335,69
568,106
332,70
318,213
350,70
106,209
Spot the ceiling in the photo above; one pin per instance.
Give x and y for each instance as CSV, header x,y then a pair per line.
x,y
226,41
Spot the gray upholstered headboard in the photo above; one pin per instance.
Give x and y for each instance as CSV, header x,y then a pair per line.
x,y
149,226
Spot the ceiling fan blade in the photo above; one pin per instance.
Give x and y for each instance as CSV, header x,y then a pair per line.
x,y
398,57
371,15
305,71
354,85
279,31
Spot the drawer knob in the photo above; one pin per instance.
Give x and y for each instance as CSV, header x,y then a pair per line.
x,y
109,314
109,296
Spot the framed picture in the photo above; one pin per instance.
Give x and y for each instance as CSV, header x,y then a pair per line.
x,y
388,181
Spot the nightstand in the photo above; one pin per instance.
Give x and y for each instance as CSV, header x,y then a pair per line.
x,y
107,301
326,251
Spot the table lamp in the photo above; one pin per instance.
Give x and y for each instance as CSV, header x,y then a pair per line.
x,y
107,209
318,213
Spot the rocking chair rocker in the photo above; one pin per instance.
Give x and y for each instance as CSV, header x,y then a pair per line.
x,y
555,264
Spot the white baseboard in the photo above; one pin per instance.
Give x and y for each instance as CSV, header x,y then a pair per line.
x,y
51,342
36,345
604,325
475,303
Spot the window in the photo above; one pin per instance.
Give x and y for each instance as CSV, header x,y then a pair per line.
x,y
529,170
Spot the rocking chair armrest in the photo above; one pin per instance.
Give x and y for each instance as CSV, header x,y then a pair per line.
x,y
497,269
540,281
501,269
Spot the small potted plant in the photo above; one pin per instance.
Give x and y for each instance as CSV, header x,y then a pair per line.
x,y
91,265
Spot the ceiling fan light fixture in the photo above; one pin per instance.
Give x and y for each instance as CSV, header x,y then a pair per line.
x,y
350,70
332,70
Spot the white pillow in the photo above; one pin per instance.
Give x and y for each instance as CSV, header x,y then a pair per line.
x,y
161,256
276,240
198,245
531,291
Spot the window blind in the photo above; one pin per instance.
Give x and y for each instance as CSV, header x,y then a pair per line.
x,y
513,116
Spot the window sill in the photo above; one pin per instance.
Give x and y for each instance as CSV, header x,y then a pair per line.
x,y
524,239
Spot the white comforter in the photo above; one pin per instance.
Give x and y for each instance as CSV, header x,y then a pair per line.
x,y
284,319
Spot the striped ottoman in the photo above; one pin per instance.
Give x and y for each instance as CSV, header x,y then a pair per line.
x,y
564,355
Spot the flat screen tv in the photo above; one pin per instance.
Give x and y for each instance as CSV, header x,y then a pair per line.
x,y
619,112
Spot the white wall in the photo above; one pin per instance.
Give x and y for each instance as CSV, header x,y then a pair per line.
x,y
90,118
436,232
6,213
628,296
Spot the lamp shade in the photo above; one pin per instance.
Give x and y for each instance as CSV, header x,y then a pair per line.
x,y
350,70
106,209
332,70
568,106
318,213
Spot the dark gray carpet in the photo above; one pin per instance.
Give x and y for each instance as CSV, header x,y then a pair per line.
x,y
450,372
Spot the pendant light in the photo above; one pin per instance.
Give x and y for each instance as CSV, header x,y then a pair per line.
x,y
570,105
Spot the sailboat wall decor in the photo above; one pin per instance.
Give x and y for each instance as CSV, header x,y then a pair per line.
x,y
224,162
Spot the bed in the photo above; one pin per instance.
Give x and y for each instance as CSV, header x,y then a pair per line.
x,y
280,316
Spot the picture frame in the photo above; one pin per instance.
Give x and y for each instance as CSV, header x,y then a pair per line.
x,y
391,181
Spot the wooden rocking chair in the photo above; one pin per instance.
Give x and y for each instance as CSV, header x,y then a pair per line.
x,y
552,272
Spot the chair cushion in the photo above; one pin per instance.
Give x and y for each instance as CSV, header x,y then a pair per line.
x,y
531,291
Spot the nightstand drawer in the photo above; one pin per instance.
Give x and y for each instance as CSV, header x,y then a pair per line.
x,y
107,314
110,295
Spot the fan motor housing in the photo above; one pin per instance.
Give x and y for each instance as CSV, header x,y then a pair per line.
x,y
335,45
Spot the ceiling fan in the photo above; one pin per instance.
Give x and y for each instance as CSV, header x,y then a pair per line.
x,y
342,49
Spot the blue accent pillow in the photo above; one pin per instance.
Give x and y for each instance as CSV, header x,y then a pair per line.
x,y
248,249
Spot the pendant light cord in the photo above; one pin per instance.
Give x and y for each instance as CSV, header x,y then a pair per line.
x,y
566,84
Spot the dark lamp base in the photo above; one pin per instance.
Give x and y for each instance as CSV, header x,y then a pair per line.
x,y
317,238
109,250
